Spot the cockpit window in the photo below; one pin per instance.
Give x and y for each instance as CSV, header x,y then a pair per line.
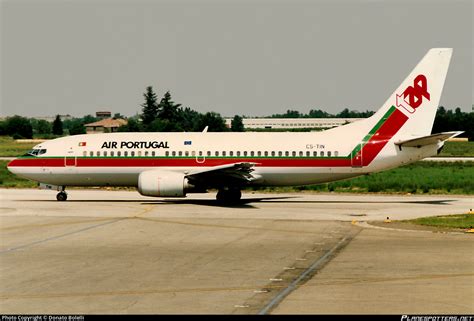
x,y
36,152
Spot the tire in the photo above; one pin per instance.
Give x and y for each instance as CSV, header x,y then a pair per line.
x,y
228,196
61,196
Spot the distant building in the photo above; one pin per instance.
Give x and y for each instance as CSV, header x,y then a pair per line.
x,y
108,125
52,118
289,123
103,114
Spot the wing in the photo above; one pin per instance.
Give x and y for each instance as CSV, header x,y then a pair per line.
x,y
427,140
235,174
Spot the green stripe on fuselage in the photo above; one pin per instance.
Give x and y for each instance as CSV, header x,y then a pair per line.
x,y
372,131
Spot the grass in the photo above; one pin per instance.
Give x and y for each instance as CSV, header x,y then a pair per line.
x,y
462,221
10,148
8,179
460,149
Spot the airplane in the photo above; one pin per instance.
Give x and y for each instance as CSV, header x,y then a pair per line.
x,y
167,164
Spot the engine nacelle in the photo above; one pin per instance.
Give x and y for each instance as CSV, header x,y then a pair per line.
x,y
162,183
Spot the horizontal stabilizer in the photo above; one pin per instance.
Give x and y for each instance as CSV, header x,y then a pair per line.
x,y
428,140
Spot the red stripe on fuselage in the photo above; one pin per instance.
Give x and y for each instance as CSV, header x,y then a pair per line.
x,y
369,151
378,141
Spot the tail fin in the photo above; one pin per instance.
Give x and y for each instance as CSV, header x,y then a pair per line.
x,y
418,95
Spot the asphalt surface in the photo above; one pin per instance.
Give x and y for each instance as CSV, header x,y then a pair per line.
x,y
118,252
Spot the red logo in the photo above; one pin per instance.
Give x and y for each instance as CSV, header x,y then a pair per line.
x,y
414,94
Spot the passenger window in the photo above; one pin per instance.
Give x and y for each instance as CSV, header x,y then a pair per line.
x,y
280,153
265,153
139,153
200,153
84,153
193,153
259,153
98,154
293,153
336,153
273,153
112,154
105,154
321,153
231,153
301,153
216,153
252,153
287,153
186,153
245,153
315,154
153,153
167,153
132,153
173,153
329,154
125,153
208,153
91,154
223,153
238,153
308,154
119,153
180,153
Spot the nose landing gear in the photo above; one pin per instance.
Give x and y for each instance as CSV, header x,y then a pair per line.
x,y
62,195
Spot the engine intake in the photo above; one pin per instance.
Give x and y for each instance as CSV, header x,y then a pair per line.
x,y
162,183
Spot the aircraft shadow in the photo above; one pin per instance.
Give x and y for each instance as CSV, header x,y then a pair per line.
x,y
245,203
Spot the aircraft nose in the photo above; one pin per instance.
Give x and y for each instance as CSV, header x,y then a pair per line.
x,y
12,166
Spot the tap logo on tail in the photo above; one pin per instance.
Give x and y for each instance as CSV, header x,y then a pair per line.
x,y
414,94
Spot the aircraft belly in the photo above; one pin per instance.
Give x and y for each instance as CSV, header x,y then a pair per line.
x,y
302,176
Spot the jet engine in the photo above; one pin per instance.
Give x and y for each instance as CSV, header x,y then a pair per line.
x,y
163,183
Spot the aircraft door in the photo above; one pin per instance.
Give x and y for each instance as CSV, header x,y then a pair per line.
x,y
200,158
70,160
357,156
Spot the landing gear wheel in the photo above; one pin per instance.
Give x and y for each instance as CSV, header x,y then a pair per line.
x,y
61,196
228,196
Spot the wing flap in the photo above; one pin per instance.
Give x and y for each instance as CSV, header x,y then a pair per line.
x,y
427,140
224,175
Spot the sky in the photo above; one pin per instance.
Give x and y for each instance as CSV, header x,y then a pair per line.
x,y
252,58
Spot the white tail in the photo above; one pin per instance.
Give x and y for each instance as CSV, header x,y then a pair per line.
x,y
412,106
419,94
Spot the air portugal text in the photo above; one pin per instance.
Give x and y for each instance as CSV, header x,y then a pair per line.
x,y
132,144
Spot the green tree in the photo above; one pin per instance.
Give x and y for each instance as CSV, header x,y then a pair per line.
x,y
215,122
149,107
43,127
133,125
57,126
77,128
237,124
169,113
189,119
18,126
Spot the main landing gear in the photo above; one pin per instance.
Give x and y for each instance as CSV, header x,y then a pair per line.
x,y
62,195
230,195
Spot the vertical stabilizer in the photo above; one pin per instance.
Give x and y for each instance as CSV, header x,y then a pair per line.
x,y
418,95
